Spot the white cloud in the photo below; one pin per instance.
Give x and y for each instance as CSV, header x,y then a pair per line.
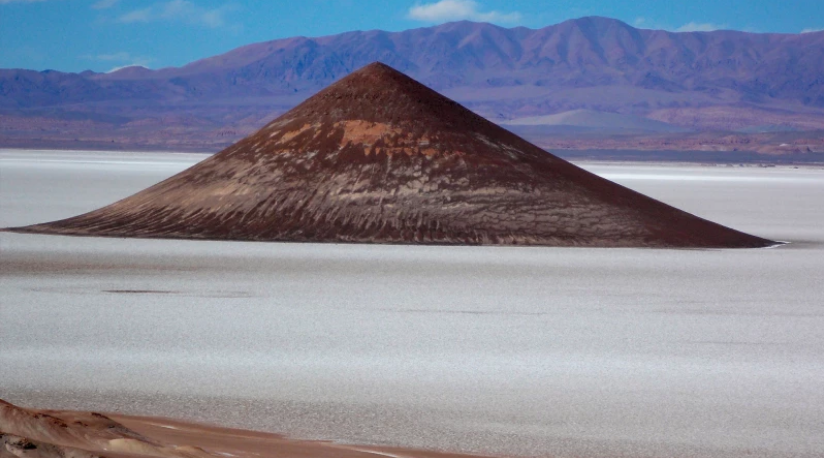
x,y
120,57
19,1
144,15
812,30
700,27
104,4
457,10
124,66
178,11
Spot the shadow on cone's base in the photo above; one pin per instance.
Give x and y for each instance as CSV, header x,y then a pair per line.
x,y
379,158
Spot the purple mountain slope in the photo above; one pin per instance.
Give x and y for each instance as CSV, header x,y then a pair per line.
x,y
723,80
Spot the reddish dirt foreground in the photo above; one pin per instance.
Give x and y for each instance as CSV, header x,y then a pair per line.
x,y
29,433
379,158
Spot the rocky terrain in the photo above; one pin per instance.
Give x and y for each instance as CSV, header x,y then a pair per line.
x,y
736,83
380,158
32,433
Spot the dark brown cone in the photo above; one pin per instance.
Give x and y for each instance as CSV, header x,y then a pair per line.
x,y
379,158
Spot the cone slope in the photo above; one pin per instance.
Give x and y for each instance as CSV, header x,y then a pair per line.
x,y
380,158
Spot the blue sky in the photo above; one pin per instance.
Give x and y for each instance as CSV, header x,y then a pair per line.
x,y
74,35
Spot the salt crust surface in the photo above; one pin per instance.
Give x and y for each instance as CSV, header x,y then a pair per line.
x,y
529,351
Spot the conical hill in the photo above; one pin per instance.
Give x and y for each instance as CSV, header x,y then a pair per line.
x,y
379,158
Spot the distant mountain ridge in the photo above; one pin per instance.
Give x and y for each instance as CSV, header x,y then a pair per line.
x,y
739,80
589,119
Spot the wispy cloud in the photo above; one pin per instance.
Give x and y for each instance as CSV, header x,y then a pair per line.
x,y
19,1
142,15
104,4
700,27
122,57
457,10
812,30
121,67
642,22
183,11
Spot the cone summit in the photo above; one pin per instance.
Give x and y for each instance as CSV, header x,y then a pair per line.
x,y
379,158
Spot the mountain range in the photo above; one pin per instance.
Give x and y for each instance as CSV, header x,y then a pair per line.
x,y
686,86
